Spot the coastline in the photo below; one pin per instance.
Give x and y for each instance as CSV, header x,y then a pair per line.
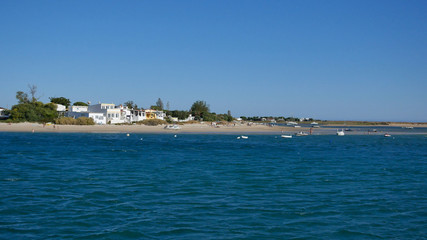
x,y
206,128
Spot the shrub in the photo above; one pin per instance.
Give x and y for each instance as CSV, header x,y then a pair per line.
x,y
85,121
72,121
33,112
152,122
65,121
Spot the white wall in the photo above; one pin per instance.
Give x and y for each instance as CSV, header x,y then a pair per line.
x,y
78,108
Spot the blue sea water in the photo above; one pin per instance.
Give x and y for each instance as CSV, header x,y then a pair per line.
x,y
113,186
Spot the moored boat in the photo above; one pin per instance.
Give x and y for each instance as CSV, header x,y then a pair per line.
x,y
172,127
340,132
299,134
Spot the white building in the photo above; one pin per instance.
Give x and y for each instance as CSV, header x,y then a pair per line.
x,y
189,118
109,110
126,114
98,118
2,114
109,113
77,111
78,108
60,107
154,114
82,111
138,115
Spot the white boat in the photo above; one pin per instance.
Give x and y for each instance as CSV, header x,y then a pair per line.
x,y
387,135
408,127
296,126
291,123
314,123
301,134
286,136
172,127
340,132
244,137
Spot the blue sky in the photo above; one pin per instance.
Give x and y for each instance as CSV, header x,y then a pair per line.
x,y
333,60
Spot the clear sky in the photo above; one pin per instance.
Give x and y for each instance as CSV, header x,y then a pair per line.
x,y
333,60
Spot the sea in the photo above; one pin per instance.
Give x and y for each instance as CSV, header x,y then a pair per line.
x,y
212,186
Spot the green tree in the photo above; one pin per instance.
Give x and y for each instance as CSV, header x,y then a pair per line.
x,y
60,100
181,115
79,104
33,111
22,97
199,109
209,117
159,104
155,107
130,105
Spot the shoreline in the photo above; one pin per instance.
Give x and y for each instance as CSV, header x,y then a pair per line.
x,y
203,128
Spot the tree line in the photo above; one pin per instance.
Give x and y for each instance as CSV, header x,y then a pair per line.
x,y
30,109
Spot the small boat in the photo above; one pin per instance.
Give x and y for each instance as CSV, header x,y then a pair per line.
x,y
244,137
299,134
315,126
172,127
387,135
291,123
408,127
340,132
297,126
314,123
286,136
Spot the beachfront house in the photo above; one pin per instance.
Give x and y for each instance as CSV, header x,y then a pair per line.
x,y
154,114
83,111
98,118
126,115
113,115
3,115
173,119
109,113
77,111
138,115
78,108
61,109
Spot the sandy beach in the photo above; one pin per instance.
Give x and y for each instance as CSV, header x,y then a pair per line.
x,y
195,128
187,128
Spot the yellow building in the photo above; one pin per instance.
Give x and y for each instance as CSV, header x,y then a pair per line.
x,y
154,114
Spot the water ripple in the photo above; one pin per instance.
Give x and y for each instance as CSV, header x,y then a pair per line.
x,y
211,186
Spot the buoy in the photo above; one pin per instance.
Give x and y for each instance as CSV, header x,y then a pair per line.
x,y
174,135
128,134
